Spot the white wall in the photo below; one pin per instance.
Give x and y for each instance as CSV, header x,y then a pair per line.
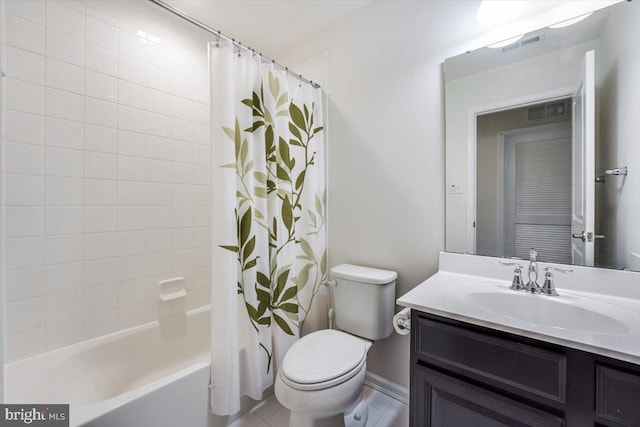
x,y
386,144
619,95
106,167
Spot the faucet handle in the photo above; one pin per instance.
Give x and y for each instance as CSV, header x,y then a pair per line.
x,y
510,263
558,269
516,283
549,288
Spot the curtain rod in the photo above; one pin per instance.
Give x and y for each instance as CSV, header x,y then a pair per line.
x,y
218,34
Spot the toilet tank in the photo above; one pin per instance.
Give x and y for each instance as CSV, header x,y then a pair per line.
x,y
364,300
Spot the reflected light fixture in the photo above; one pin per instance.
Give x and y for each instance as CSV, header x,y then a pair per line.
x,y
506,42
496,12
571,21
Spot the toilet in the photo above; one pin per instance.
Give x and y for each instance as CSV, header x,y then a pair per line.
x,y
321,378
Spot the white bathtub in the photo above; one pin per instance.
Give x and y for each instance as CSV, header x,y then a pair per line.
x,y
152,375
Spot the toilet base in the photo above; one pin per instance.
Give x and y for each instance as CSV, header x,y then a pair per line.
x,y
358,415
355,416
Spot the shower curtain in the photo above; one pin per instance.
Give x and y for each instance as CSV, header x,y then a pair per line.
x,y
268,219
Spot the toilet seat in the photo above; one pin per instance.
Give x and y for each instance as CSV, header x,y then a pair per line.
x,y
323,359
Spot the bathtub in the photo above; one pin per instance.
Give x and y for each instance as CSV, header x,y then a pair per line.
x,y
156,374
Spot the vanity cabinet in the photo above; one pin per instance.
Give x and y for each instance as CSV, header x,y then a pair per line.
x,y
466,375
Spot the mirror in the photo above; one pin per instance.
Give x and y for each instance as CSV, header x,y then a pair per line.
x,y
543,144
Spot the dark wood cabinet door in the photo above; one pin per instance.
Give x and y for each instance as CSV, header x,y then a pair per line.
x,y
439,400
527,370
618,396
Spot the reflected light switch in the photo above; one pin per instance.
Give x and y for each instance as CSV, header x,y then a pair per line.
x,y
455,188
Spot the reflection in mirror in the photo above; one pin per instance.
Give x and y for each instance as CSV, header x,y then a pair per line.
x,y
538,134
523,182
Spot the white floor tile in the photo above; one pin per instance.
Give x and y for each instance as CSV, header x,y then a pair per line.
x,y
268,408
249,420
280,418
376,399
374,416
397,405
398,419
384,411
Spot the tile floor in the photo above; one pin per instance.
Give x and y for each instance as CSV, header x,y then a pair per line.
x,y
384,411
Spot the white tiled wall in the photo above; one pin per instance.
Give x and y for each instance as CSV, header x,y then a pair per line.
x,y
106,175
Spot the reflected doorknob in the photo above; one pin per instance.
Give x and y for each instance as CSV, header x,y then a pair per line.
x,y
587,236
582,236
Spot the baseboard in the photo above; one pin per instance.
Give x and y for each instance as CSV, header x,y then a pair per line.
x,y
387,387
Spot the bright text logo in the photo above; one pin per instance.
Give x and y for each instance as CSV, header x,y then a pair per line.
x,y
36,415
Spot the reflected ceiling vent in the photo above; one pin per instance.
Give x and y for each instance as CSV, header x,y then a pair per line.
x,y
546,111
523,42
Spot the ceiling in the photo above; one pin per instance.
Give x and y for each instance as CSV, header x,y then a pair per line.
x,y
269,26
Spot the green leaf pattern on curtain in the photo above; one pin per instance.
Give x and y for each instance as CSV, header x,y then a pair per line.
x,y
289,155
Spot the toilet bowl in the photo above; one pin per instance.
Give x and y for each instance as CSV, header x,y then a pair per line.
x,y
321,377
321,380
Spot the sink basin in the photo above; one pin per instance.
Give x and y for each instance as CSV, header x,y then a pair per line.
x,y
597,311
548,311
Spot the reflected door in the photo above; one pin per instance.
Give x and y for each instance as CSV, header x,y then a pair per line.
x,y
583,166
537,182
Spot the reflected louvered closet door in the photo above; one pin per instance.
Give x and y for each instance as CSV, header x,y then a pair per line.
x,y
538,193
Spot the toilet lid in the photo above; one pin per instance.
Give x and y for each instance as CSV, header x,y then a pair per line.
x,y
323,356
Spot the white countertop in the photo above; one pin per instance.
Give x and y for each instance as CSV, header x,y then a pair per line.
x,y
608,325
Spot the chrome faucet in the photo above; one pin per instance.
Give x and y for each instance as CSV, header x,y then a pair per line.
x,y
532,285
548,288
